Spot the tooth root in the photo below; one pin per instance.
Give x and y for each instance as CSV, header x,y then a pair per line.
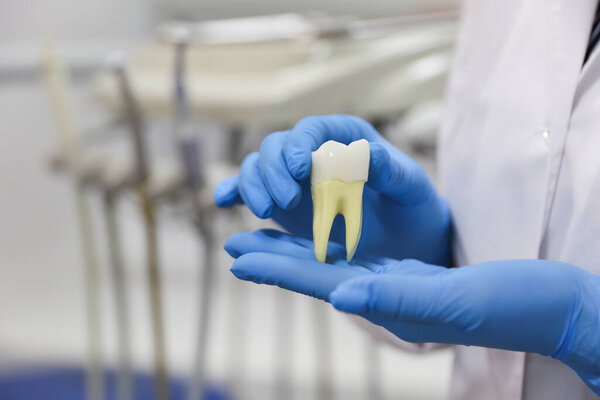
x,y
325,207
331,198
337,179
352,212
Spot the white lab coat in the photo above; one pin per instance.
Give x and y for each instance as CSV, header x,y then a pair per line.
x,y
519,161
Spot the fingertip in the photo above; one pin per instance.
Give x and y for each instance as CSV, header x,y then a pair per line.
x,y
239,273
379,165
297,154
308,134
231,251
262,209
266,212
294,200
272,166
232,244
245,267
252,188
239,268
284,191
350,299
226,193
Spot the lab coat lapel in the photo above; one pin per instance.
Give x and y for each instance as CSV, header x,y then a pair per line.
x,y
568,38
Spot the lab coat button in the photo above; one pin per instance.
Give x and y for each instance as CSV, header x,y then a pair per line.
x,y
544,133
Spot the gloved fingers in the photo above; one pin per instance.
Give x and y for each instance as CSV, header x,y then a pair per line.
x,y
311,132
277,242
405,297
252,189
276,234
303,276
227,193
398,176
277,179
335,250
408,266
268,241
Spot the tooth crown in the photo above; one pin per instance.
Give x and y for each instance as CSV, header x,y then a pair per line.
x,y
334,160
338,176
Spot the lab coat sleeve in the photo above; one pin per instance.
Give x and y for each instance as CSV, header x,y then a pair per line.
x,y
382,335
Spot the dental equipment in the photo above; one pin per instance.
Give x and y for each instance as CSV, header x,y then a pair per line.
x,y
112,183
373,363
181,36
290,26
56,81
275,83
338,176
187,144
134,119
323,354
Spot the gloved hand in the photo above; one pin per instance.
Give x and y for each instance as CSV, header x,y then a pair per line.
x,y
546,307
403,217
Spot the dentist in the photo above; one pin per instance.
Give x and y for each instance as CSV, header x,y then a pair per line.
x,y
504,261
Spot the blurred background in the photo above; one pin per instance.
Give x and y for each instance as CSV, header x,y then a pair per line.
x,y
107,168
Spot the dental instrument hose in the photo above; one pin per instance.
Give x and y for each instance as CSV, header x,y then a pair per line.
x,y
189,153
56,82
147,210
125,371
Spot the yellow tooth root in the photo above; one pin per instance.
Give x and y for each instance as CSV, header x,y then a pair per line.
x,y
331,198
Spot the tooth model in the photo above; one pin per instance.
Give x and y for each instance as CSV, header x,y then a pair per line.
x,y
338,175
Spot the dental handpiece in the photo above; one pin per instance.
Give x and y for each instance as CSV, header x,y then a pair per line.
x,y
134,120
56,82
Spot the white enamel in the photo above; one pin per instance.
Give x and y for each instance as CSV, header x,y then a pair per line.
x,y
334,160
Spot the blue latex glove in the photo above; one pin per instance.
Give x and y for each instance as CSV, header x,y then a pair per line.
x,y
403,217
536,306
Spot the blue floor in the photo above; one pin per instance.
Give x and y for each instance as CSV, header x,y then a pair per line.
x,y
63,383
